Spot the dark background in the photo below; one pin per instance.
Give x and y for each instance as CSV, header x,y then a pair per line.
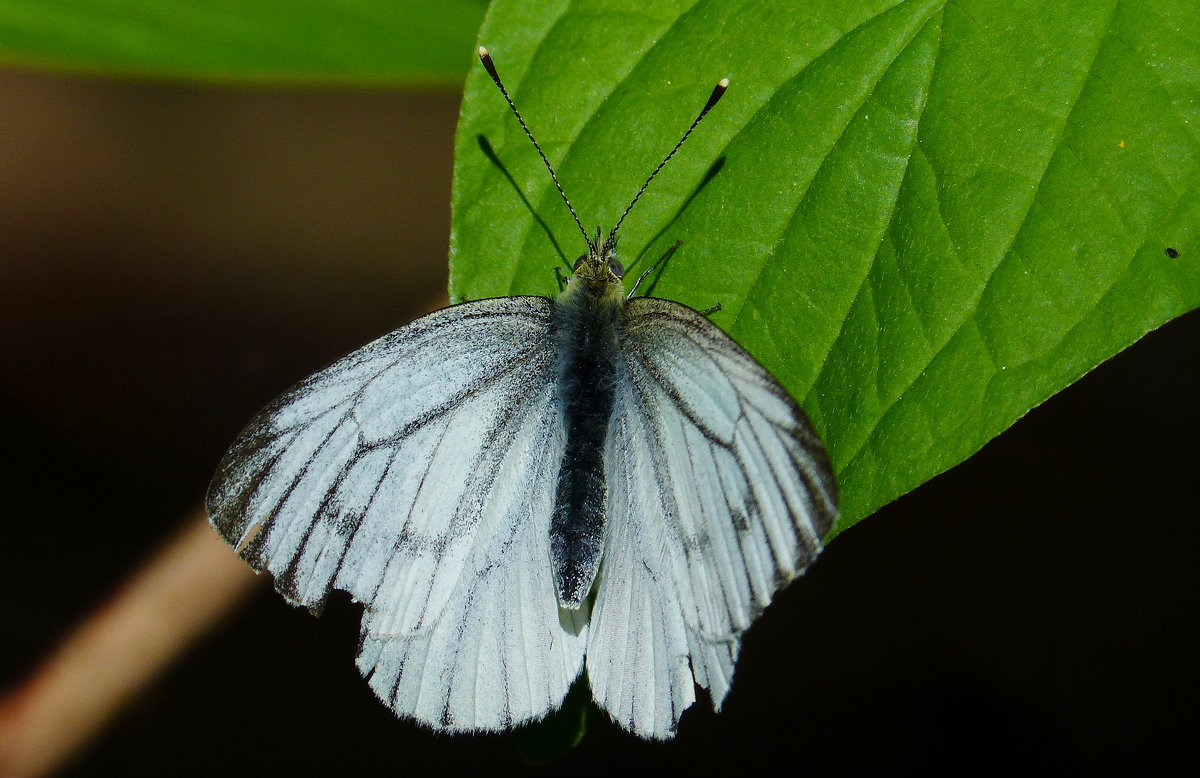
x,y
173,257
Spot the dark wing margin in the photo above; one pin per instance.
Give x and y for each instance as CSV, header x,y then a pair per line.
x,y
720,493
416,473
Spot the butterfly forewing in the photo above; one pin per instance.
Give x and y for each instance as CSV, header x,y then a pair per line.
x,y
417,474
719,494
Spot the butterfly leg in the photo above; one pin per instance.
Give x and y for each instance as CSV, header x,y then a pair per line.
x,y
661,260
710,310
558,276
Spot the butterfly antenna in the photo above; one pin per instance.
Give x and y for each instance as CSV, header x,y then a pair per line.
x,y
717,92
490,67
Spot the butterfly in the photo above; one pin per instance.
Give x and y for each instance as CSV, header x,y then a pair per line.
x,y
523,488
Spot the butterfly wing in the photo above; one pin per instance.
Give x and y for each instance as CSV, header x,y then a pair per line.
x,y
719,493
417,473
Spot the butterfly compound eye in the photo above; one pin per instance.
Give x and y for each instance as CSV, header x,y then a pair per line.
x,y
578,263
616,268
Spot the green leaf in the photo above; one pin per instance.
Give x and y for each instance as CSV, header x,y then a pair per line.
x,y
351,42
543,742
925,218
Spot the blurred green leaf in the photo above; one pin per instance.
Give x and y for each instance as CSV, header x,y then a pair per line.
x,y
351,42
543,742
924,217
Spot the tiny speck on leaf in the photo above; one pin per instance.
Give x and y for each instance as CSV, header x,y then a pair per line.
x,y
1172,253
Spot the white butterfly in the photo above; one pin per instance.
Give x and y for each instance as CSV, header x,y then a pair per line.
x,y
521,488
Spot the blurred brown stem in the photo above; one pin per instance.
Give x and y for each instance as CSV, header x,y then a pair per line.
x,y
178,595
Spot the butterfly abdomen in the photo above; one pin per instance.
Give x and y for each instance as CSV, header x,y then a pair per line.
x,y
585,326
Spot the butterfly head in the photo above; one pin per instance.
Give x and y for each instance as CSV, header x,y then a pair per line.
x,y
600,264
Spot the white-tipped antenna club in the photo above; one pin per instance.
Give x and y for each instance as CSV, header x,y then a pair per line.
x,y
713,99
490,67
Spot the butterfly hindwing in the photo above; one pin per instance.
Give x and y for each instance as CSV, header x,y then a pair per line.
x,y
719,493
417,474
